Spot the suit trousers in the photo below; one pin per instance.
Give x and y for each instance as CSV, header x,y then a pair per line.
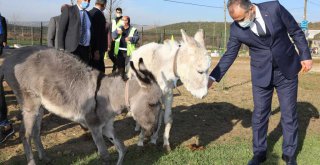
x,y
122,59
3,104
1,43
262,97
111,54
1,48
99,65
83,52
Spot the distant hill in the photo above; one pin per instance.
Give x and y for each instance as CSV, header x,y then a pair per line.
x,y
214,32
314,26
210,28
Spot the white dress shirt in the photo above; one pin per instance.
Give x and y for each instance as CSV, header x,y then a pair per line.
x,y
259,18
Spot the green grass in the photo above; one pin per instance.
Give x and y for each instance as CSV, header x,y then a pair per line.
x,y
236,152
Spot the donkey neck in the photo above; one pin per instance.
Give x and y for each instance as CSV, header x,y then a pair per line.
x,y
122,91
175,61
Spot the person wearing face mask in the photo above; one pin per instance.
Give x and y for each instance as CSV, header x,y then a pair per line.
x,y
115,24
100,35
275,65
125,37
74,33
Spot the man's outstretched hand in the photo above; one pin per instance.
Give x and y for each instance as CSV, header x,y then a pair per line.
x,y
306,65
210,82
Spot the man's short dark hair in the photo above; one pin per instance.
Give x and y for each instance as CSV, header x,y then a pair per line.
x,y
119,9
245,4
128,18
64,6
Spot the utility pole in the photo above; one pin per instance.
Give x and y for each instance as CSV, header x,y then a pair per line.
x,y
305,10
110,11
225,38
225,26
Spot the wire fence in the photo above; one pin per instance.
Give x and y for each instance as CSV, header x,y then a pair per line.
x,y
27,33
36,34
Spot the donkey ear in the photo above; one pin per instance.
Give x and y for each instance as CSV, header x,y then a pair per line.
x,y
144,76
199,37
185,37
141,64
137,74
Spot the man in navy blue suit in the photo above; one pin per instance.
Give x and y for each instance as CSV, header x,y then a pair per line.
x,y
265,28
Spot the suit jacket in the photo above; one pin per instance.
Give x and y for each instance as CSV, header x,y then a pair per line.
x,y
52,35
3,37
280,23
109,37
70,29
99,33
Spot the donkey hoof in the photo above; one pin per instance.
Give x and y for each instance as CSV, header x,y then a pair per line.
x,y
46,160
31,162
106,162
140,149
167,148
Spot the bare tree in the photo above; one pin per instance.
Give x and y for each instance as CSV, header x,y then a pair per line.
x,y
111,7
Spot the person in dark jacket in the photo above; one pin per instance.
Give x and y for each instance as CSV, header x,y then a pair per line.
x,y
125,37
3,33
275,64
53,27
99,41
6,128
74,33
115,23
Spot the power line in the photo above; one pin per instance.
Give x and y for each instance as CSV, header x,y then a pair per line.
x,y
194,4
314,3
296,8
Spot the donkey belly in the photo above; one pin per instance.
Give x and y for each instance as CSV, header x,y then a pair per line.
x,y
63,111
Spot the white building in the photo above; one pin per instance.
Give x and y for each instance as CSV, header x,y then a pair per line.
x,y
311,33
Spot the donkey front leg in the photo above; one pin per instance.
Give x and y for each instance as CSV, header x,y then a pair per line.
x,y
167,119
108,131
155,135
141,138
37,139
30,110
29,118
96,132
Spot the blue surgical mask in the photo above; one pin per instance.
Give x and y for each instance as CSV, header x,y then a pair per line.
x,y
84,4
245,23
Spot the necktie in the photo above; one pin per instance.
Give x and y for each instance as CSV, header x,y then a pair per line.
x,y
83,37
260,30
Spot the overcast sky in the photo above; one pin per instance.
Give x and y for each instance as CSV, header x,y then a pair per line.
x,y
149,12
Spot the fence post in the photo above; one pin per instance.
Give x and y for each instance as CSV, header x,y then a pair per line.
x,y
164,34
141,36
41,29
14,33
32,35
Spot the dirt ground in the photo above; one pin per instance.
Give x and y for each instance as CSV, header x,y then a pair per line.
x,y
220,117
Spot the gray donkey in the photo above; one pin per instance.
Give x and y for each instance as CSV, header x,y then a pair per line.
x,y
44,78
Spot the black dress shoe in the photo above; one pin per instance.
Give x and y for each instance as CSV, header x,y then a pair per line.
x,y
290,160
257,159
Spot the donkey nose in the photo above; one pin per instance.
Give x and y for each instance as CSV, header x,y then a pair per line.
x,y
148,133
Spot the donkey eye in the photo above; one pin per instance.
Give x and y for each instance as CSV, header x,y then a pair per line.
x,y
154,104
200,72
